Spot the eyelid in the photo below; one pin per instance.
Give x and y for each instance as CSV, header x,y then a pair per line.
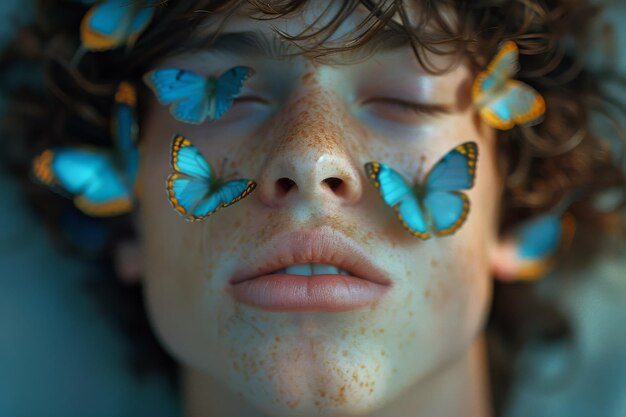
x,y
415,106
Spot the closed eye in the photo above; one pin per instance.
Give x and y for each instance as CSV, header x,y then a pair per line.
x,y
405,111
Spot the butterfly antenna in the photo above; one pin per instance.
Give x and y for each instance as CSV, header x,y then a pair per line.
x,y
78,56
567,200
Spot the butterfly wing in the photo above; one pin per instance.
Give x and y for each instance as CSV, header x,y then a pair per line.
x,y
140,21
191,188
91,176
446,205
397,193
228,86
124,130
502,68
112,23
186,91
517,104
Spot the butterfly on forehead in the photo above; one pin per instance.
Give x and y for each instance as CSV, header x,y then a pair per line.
x,y
502,101
101,181
435,205
193,189
110,24
193,97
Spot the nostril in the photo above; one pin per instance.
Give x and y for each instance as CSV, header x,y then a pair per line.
x,y
333,183
284,185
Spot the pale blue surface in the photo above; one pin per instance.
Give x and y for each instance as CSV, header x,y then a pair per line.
x,y
59,356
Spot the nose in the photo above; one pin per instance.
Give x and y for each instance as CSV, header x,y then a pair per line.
x,y
309,159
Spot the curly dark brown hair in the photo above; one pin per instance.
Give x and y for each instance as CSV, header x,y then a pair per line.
x,y
68,103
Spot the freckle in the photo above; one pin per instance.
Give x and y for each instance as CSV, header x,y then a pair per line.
x,y
322,393
362,330
277,338
362,366
382,352
345,353
434,263
381,330
412,334
410,313
394,370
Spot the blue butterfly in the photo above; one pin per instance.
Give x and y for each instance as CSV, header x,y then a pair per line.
x,y
113,23
193,190
436,204
193,97
504,102
100,181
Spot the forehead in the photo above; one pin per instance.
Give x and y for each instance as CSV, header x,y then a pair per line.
x,y
326,31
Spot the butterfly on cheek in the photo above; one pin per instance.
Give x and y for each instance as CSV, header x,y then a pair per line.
x,y
193,189
192,97
435,205
502,101
101,181
110,24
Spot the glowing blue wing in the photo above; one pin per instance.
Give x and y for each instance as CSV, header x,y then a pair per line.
x,y
447,207
397,193
228,86
112,23
518,104
124,131
184,90
91,176
501,69
448,211
232,191
540,237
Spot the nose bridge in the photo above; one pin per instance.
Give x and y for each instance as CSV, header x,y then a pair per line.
x,y
310,156
315,123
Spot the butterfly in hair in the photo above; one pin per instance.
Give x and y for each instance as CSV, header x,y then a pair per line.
x,y
436,205
193,189
192,97
110,24
101,181
502,101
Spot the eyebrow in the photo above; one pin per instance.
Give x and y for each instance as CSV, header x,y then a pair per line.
x,y
262,44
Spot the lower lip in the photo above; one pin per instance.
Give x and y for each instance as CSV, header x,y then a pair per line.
x,y
330,293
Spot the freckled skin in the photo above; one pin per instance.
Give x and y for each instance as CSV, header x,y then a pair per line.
x,y
319,364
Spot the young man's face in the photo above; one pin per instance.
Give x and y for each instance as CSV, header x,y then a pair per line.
x,y
303,131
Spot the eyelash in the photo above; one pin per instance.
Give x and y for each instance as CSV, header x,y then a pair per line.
x,y
418,108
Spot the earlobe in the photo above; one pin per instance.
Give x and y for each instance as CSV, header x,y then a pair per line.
x,y
128,261
532,250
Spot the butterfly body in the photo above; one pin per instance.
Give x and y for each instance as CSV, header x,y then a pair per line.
x,y
101,181
192,97
435,205
113,23
502,101
193,190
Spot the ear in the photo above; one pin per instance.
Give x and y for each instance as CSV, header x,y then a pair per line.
x,y
531,251
128,261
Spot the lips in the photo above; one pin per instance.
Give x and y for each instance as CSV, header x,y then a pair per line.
x,y
316,271
321,246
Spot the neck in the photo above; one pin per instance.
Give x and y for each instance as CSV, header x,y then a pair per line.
x,y
459,390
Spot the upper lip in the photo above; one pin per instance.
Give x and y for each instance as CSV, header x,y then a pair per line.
x,y
324,245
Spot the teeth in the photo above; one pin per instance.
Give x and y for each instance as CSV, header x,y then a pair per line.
x,y
311,269
302,269
319,269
